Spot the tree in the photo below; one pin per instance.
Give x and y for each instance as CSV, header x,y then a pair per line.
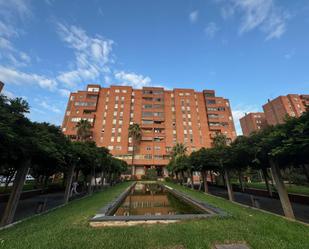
x,y
17,144
204,161
135,132
83,130
222,153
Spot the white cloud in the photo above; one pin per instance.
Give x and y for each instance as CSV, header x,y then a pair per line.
x,y
264,15
49,107
10,8
9,54
239,111
211,29
64,92
93,55
13,76
133,79
193,16
8,94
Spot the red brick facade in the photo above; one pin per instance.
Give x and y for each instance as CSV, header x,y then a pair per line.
x,y
1,86
279,108
251,122
165,116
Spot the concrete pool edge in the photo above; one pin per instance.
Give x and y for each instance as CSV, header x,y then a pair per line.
x,y
105,218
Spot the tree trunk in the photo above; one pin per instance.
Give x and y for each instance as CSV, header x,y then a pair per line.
x,y
204,175
241,183
265,176
77,175
223,180
183,177
229,186
132,162
69,184
17,188
284,198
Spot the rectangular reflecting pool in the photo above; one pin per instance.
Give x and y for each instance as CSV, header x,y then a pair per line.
x,y
150,203
154,199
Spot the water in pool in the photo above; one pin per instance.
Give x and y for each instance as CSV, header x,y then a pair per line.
x,y
154,199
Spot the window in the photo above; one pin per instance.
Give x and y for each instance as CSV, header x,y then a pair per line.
x,y
118,139
112,139
157,148
114,121
148,148
64,129
147,106
124,91
110,147
119,130
115,114
72,97
158,157
148,156
93,89
80,103
147,121
147,114
210,101
209,94
120,122
118,147
117,90
116,106
68,113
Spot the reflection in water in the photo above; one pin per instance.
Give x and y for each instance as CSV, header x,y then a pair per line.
x,y
153,199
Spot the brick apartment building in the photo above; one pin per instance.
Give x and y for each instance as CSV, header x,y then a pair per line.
x,y
275,112
165,117
1,86
278,109
251,122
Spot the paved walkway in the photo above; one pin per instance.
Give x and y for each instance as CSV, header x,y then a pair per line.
x,y
269,204
28,207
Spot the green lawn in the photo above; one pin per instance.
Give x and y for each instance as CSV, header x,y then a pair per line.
x,y
291,188
68,227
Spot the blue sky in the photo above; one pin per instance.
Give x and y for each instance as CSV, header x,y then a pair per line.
x,y
246,50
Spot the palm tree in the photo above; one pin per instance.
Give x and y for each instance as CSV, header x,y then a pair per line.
x,y
135,132
179,149
83,130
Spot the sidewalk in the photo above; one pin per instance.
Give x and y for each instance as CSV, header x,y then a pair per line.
x,y
29,206
266,203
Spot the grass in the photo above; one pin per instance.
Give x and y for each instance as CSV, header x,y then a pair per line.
x,y
291,188
68,228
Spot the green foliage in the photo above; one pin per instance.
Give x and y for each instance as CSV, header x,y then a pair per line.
x,y
151,174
